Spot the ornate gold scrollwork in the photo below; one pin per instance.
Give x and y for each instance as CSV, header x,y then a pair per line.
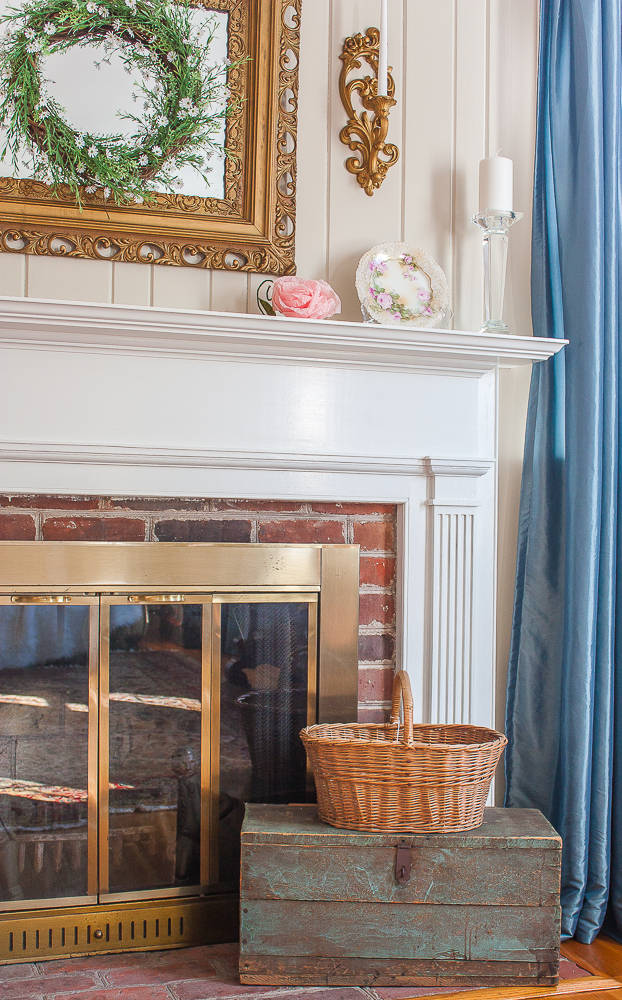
x,y
362,134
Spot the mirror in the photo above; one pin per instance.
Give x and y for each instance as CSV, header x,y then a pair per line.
x,y
241,218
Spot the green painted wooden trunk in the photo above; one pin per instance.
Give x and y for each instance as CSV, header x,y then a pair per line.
x,y
324,906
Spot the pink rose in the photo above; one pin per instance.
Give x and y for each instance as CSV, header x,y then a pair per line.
x,y
304,298
384,300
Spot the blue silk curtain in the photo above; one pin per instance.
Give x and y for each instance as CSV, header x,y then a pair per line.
x,y
564,708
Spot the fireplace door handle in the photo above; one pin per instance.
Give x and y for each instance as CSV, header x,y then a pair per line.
x,y
156,598
41,599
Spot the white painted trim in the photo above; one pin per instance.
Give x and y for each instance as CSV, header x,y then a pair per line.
x,y
71,454
190,334
457,467
452,652
451,505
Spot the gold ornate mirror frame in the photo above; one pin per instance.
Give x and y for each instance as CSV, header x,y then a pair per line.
x,y
251,229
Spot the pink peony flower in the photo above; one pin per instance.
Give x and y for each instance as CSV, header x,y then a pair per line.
x,y
305,299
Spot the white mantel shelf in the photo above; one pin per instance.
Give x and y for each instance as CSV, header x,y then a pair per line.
x,y
184,333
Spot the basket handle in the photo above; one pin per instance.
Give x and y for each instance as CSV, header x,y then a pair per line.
x,y
403,690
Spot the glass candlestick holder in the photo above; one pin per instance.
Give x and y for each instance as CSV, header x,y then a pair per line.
x,y
495,246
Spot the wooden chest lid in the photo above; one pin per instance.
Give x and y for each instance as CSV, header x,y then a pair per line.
x,y
296,825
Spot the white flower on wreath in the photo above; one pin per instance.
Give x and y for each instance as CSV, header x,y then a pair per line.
x,y
102,12
143,160
90,189
138,199
49,28
157,150
80,141
91,7
109,154
106,193
187,107
92,151
162,120
170,57
80,168
116,24
30,33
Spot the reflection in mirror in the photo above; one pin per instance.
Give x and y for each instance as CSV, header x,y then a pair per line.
x,y
74,76
43,751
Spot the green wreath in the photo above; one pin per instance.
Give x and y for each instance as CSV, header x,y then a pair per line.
x,y
179,126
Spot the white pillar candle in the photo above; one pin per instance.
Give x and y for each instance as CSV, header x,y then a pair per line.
x,y
496,184
383,52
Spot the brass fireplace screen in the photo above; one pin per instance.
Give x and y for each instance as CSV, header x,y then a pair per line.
x,y
147,691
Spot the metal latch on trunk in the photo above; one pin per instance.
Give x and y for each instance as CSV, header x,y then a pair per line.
x,y
402,863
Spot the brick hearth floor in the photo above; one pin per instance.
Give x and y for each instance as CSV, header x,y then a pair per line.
x,y
185,974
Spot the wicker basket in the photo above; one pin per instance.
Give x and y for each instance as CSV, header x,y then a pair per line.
x,y
406,779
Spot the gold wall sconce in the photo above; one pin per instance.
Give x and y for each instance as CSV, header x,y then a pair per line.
x,y
366,136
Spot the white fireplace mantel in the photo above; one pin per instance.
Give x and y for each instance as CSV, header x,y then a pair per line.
x,y
183,334
136,401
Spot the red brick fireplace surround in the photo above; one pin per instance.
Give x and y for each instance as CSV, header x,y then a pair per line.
x,y
129,519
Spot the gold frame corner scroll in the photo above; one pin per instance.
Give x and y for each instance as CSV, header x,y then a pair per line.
x,y
251,229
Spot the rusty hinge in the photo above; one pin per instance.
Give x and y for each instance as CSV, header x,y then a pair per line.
x,y
402,863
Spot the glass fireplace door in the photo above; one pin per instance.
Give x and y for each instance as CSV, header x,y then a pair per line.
x,y
267,692
133,730
48,750
155,801
202,700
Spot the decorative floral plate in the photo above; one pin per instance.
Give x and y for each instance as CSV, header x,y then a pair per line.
x,y
401,285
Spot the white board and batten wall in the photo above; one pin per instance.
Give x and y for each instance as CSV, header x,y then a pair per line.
x,y
465,73
465,85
